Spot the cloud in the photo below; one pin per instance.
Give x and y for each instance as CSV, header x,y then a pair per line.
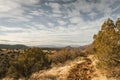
x,y
59,1
55,7
37,12
76,20
92,15
15,10
54,22
61,22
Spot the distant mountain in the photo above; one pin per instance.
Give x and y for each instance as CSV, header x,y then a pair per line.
x,y
79,47
17,46
84,47
54,47
47,46
68,47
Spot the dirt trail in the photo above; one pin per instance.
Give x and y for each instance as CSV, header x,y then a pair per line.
x,y
79,69
56,73
83,71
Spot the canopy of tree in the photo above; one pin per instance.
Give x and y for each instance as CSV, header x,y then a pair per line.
x,y
106,47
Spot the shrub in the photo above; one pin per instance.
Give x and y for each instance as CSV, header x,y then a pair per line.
x,y
66,54
4,65
31,61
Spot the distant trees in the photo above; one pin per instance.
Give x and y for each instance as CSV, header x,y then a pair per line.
x,y
106,47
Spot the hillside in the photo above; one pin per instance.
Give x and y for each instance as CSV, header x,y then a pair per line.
x,y
17,46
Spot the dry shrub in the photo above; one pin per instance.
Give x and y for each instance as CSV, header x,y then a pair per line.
x,y
66,54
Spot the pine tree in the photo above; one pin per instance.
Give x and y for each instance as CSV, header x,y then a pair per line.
x,y
106,47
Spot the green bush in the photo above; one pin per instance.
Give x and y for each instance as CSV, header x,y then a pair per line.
x,y
4,65
31,61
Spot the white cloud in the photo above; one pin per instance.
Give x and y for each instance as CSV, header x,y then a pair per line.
x,y
15,10
37,12
76,19
50,24
7,6
3,28
55,7
27,2
61,22
39,34
92,15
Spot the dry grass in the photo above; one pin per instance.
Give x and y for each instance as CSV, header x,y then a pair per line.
x,y
56,73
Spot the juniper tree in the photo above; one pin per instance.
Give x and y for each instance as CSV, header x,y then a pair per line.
x,y
106,47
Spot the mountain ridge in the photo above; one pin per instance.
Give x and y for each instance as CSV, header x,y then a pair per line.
x,y
16,46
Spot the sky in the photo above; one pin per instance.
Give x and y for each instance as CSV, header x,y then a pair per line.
x,y
54,22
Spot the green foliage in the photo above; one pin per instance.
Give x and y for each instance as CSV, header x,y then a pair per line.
x,y
106,47
31,61
4,65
